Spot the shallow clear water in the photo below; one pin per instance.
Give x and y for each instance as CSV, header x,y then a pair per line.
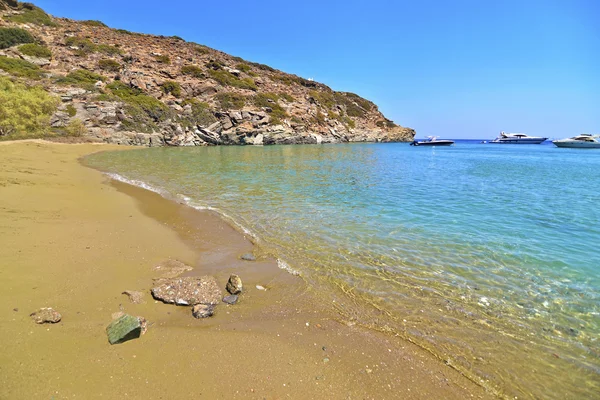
x,y
486,255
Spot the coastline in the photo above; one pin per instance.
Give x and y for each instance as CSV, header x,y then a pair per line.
x,y
74,240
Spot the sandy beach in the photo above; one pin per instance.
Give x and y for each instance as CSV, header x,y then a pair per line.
x,y
74,240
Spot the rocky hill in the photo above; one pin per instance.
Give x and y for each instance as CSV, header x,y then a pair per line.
x,y
122,87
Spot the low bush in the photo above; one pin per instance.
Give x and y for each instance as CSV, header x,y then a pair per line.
x,y
227,79
230,101
162,58
386,123
171,87
13,36
94,23
35,50
24,110
71,110
75,128
20,68
287,97
32,15
82,78
145,111
201,49
109,65
243,67
270,100
192,70
201,114
85,46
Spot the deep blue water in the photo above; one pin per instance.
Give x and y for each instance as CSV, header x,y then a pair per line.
x,y
484,254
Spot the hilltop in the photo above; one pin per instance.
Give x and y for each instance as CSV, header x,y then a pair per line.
x,y
82,78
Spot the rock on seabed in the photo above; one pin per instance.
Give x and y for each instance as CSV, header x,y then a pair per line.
x,y
124,328
234,284
188,291
46,315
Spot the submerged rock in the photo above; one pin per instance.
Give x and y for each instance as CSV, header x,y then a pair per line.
x,y
46,315
188,291
124,328
248,257
234,284
134,297
231,299
172,268
203,310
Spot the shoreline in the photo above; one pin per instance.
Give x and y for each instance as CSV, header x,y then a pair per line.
x,y
81,241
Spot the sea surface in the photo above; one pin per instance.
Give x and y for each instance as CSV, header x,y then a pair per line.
x,y
486,255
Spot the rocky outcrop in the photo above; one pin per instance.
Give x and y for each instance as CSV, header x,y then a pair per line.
x,y
145,90
124,328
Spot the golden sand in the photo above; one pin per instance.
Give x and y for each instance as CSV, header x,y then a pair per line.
x,y
73,240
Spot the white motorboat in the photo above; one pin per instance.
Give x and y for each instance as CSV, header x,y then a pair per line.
x,y
433,141
517,138
583,141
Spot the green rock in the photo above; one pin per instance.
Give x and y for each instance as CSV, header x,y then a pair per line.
x,y
124,328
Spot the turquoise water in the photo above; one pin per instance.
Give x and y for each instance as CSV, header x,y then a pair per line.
x,y
486,255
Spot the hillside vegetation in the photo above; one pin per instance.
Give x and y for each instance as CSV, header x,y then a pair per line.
x,y
123,87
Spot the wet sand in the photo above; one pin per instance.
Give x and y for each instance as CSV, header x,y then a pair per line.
x,y
73,240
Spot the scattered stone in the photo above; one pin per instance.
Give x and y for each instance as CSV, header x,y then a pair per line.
x,y
234,284
124,328
248,257
188,290
15,309
231,299
203,310
46,315
134,297
117,315
259,287
172,268
326,360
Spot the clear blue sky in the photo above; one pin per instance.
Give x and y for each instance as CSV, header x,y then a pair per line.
x,y
457,69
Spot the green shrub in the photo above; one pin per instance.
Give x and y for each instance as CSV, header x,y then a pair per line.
x,y
227,79
287,97
243,67
125,31
356,106
75,128
270,100
81,78
201,114
71,110
230,101
12,36
386,123
24,111
35,50
177,38
201,49
263,67
171,87
32,15
109,65
86,46
145,111
20,68
192,70
163,59
94,23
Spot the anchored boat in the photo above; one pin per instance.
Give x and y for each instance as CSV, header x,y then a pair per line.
x,y
433,141
517,138
583,141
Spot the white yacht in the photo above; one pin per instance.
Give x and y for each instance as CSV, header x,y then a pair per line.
x,y
517,138
433,141
583,141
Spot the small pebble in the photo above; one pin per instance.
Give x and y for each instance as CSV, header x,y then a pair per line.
x,y
261,287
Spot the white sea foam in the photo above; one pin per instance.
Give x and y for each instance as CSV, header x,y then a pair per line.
x,y
285,266
137,183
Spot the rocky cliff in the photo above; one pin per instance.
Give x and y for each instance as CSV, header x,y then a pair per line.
x,y
122,87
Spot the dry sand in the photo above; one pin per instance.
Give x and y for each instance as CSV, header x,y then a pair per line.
x,y
73,240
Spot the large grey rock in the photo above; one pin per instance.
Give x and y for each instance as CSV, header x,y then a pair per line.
x,y
39,61
203,310
188,290
124,328
234,284
46,315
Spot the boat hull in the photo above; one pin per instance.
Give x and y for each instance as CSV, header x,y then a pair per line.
x,y
436,143
518,141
